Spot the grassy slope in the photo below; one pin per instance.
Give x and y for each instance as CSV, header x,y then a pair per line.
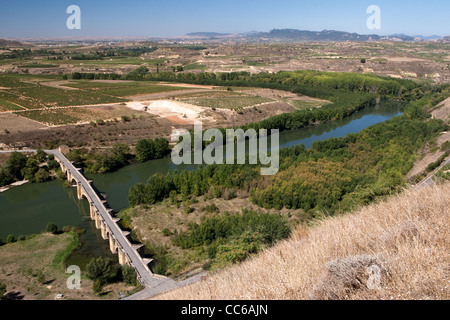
x,y
407,237
21,261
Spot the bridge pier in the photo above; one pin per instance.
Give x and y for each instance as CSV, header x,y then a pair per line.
x,y
112,244
79,190
104,230
122,257
98,220
92,210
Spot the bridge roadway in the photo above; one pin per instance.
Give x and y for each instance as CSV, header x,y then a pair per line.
x,y
154,284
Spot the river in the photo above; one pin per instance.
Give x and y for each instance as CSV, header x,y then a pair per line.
x,y
28,208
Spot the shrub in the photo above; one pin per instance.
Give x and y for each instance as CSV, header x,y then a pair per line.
x,y
187,208
166,232
126,118
52,228
129,275
99,269
40,276
10,239
239,249
97,287
212,208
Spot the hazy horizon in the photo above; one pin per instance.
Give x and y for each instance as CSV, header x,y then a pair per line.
x,y
168,19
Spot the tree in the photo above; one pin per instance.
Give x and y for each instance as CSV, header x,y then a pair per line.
x,y
15,164
52,228
41,155
41,175
5,179
99,269
10,239
161,148
145,150
30,169
129,275
97,286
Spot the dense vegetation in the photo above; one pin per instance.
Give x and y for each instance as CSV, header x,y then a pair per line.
x,y
232,238
35,168
102,272
119,155
334,175
348,92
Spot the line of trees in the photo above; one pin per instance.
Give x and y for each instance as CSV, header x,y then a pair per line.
x,y
119,155
334,175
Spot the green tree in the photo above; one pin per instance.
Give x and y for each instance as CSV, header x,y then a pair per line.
x,y
99,269
97,286
52,228
5,179
173,197
40,276
129,275
30,169
161,148
14,165
10,239
41,175
41,155
145,150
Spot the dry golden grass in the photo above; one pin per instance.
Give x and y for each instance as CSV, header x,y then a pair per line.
x,y
406,238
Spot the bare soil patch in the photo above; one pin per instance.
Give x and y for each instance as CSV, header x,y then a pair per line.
x,y
16,124
58,85
163,95
442,111
186,85
429,157
87,135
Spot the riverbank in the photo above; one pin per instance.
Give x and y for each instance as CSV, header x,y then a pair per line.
x,y
15,184
33,269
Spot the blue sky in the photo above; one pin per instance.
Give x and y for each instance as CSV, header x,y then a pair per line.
x,y
45,18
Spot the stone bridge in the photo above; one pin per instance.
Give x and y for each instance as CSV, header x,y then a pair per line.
x,y
110,230
107,224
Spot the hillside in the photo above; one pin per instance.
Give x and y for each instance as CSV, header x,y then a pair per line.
x,y
405,240
11,43
294,35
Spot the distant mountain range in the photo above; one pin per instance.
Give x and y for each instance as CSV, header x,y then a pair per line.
x,y
11,43
295,35
208,34
275,35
